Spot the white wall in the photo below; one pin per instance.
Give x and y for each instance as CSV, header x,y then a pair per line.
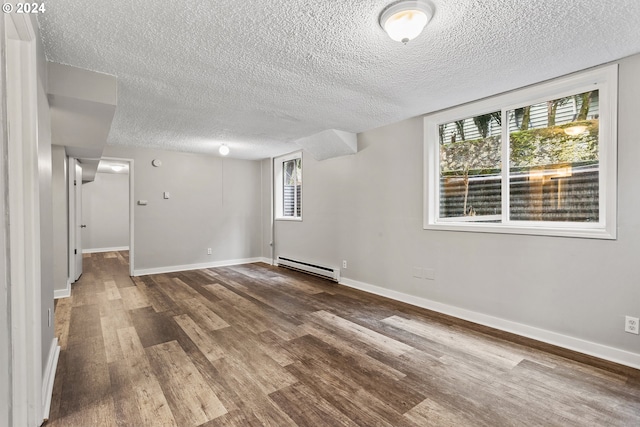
x,y
5,336
105,212
267,208
214,203
367,209
46,220
60,217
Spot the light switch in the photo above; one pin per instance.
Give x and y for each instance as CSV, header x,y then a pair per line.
x,y
166,194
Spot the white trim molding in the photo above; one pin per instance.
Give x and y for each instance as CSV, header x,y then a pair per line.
x,y
131,211
600,351
25,299
603,79
266,260
63,293
101,250
174,268
48,377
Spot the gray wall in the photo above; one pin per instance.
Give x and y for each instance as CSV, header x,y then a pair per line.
x,y
267,208
60,217
5,337
105,211
367,209
214,203
46,222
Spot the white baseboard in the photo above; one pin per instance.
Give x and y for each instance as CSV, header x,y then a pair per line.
x,y
99,250
174,268
266,260
63,293
48,377
601,351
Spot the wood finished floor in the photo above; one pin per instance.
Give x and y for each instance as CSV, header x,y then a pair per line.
x,y
255,345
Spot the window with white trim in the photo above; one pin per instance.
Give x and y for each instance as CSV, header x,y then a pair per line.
x,y
539,160
288,183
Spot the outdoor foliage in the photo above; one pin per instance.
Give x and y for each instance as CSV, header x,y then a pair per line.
x,y
529,148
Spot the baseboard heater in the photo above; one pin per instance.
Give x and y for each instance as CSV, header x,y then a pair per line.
x,y
330,273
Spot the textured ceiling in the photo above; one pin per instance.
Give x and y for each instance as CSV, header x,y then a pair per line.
x,y
260,74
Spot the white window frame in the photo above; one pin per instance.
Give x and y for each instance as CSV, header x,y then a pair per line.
x,y
603,79
278,179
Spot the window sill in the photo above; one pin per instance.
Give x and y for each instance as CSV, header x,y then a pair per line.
x,y
530,230
296,219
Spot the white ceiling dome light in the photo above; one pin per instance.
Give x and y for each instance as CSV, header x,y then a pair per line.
x,y
223,150
405,20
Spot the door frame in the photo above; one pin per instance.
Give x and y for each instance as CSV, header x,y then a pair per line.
x,y
23,225
74,222
131,209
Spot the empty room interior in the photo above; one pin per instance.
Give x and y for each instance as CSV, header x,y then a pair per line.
x,y
318,213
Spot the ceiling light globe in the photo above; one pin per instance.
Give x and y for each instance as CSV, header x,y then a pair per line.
x,y
404,21
223,150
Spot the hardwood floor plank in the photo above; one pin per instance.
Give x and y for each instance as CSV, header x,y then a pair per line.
x,y
112,290
85,388
362,334
100,414
210,348
351,351
307,408
202,314
159,300
130,343
465,342
242,311
138,397
347,396
85,321
361,376
62,317
235,418
112,346
153,328
133,298
246,360
126,408
275,347
191,400
431,414
178,289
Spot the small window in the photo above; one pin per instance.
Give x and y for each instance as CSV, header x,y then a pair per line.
x,y
540,160
288,179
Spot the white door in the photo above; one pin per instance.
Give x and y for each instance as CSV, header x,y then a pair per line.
x,y
75,219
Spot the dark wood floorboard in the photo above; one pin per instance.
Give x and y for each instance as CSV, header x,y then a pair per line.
x,y
256,345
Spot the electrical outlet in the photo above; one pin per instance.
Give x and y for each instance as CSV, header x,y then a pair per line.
x,y
344,263
208,251
631,324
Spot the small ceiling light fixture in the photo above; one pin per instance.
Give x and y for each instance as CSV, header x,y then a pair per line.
x,y
405,19
223,150
117,168
575,130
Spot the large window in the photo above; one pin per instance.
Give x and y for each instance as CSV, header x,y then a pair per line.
x,y
288,179
540,160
